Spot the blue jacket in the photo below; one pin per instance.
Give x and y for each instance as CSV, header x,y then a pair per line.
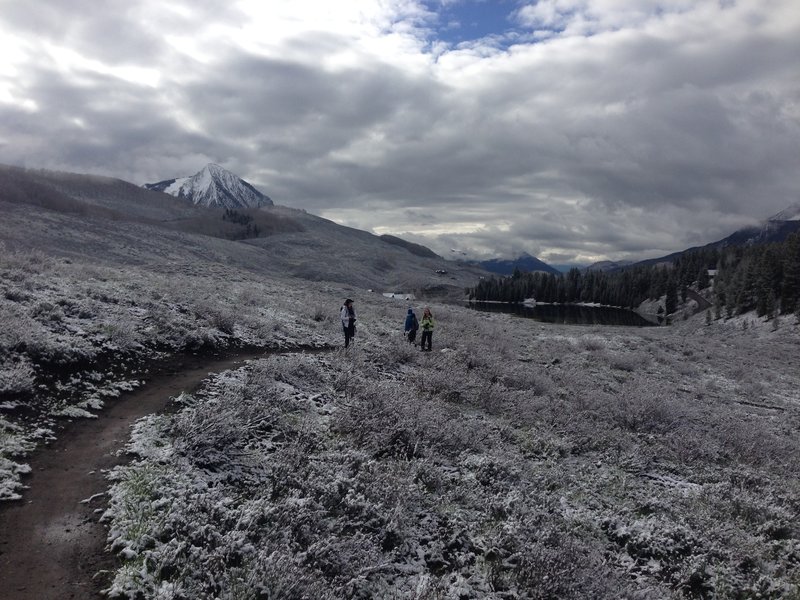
x,y
411,321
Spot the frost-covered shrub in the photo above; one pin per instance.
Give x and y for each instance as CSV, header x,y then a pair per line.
x,y
558,565
10,472
445,381
139,505
492,398
391,420
219,316
249,296
26,261
295,370
320,313
629,363
121,333
60,350
201,338
592,343
398,353
527,379
750,441
17,327
46,311
218,440
16,377
13,443
643,409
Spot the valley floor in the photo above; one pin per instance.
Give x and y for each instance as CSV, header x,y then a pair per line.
x,y
516,460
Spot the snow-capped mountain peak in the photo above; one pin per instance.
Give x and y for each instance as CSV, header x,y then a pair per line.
x,y
213,186
790,214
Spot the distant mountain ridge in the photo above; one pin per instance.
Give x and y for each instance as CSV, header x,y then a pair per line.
x,y
525,263
609,265
213,186
774,229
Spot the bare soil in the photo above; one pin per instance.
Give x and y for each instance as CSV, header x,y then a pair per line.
x,y
52,544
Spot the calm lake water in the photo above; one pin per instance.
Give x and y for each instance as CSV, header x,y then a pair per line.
x,y
568,314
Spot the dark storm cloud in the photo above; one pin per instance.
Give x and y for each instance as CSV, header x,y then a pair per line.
x,y
303,119
656,132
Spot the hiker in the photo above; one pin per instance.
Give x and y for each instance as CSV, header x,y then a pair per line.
x,y
348,316
411,326
427,329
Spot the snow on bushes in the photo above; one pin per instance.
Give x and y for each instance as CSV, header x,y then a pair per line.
x,y
75,335
543,470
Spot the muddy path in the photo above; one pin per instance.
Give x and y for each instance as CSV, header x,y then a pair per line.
x,y
52,545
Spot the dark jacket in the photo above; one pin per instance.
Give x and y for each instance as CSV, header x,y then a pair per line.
x,y
411,321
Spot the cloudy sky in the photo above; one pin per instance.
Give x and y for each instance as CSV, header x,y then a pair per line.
x,y
575,130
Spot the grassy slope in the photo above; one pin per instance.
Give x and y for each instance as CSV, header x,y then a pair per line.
x,y
519,460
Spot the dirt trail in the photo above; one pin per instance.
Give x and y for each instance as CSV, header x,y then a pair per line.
x,y
51,543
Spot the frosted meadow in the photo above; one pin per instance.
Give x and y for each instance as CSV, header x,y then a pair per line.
x,y
517,460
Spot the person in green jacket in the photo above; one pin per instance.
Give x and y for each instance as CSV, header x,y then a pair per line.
x,y
427,329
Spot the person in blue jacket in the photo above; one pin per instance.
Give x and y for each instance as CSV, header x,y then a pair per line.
x,y
411,326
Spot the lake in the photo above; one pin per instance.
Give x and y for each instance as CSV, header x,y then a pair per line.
x,y
568,314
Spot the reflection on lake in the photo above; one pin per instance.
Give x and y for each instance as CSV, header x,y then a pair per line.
x,y
568,314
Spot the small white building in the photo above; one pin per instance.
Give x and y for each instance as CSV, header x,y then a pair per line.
x,y
399,295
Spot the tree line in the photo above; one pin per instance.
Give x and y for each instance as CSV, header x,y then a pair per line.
x,y
764,278
251,229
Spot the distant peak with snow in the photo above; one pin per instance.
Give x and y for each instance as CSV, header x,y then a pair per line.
x,y
213,186
790,214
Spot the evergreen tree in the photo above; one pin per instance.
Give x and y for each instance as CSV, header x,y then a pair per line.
x,y
790,288
703,280
671,300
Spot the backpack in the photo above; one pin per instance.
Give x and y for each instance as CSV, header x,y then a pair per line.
x,y
414,323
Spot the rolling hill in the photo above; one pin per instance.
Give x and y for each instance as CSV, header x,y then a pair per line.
x,y
117,223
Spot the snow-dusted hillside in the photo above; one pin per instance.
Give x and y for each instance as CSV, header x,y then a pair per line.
x,y
790,214
213,186
116,222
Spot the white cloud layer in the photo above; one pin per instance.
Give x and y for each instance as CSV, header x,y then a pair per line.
x,y
596,129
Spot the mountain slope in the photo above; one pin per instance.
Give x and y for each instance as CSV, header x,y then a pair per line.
x,y
525,263
89,195
213,186
775,229
113,230
791,213
417,249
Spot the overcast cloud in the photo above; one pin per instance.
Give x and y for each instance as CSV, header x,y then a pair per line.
x,y
583,130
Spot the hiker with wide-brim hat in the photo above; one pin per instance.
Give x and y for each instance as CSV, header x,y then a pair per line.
x,y
348,317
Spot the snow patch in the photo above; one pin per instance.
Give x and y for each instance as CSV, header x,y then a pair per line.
x,y
215,186
791,213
